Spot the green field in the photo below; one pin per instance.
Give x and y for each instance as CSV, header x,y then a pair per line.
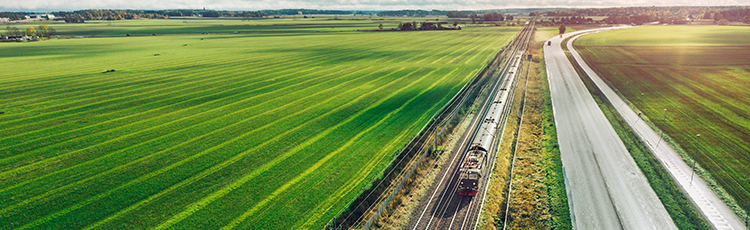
x,y
137,27
267,131
700,75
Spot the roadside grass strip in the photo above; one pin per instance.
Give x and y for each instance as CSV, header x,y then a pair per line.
x,y
700,76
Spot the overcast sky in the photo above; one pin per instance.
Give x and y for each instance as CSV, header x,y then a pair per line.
x,y
65,5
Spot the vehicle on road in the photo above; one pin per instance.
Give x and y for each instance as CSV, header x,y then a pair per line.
x,y
549,43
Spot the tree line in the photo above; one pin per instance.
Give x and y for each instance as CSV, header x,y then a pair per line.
x,y
641,15
41,31
660,11
460,13
664,14
13,15
737,15
86,15
412,13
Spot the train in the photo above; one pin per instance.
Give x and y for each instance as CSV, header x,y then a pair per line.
x,y
476,159
471,171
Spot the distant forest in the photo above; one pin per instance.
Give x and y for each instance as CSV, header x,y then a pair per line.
x,y
730,13
615,15
462,13
158,14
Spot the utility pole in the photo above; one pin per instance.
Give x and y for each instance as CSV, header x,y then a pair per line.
x,y
627,88
642,106
695,156
663,126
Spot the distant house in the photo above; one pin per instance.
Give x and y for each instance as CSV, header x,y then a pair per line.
x,y
4,20
40,16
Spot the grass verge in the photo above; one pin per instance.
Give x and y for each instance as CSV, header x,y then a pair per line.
x,y
699,74
538,198
555,180
679,207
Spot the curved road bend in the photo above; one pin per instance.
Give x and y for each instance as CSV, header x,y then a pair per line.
x,y
718,213
606,189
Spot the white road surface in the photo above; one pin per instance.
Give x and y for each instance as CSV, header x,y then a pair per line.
x,y
719,215
606,189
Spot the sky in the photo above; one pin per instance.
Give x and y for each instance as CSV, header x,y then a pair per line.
x,y
67,5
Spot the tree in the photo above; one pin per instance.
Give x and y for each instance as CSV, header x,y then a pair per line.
x,y
562,28
509,18
43,30
414,25
381,26
406,26
13,31
30,31
723,22
212,14
456,14
473,20
718,16
493,17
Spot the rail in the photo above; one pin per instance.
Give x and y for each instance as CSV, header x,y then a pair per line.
x,y
418,148
450,109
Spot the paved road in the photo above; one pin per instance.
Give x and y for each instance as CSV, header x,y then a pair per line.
x,y
606,189
719,215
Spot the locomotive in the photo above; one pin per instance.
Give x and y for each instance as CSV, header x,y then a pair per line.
x,y
471,171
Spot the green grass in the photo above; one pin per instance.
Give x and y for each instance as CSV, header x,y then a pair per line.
x,y
677,204
700,75
545,33
138,27
248,131
554,178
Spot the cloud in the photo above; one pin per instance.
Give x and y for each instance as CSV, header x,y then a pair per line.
x,y
55,5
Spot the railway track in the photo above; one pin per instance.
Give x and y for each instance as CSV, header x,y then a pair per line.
x,y
444,208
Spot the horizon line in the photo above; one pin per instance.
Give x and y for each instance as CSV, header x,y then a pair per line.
x,y
240,10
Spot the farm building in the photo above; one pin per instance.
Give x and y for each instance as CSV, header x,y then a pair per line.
x,y
40,16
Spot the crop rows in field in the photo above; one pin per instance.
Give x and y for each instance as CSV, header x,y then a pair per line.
x,y
252,132
148,27
700,76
